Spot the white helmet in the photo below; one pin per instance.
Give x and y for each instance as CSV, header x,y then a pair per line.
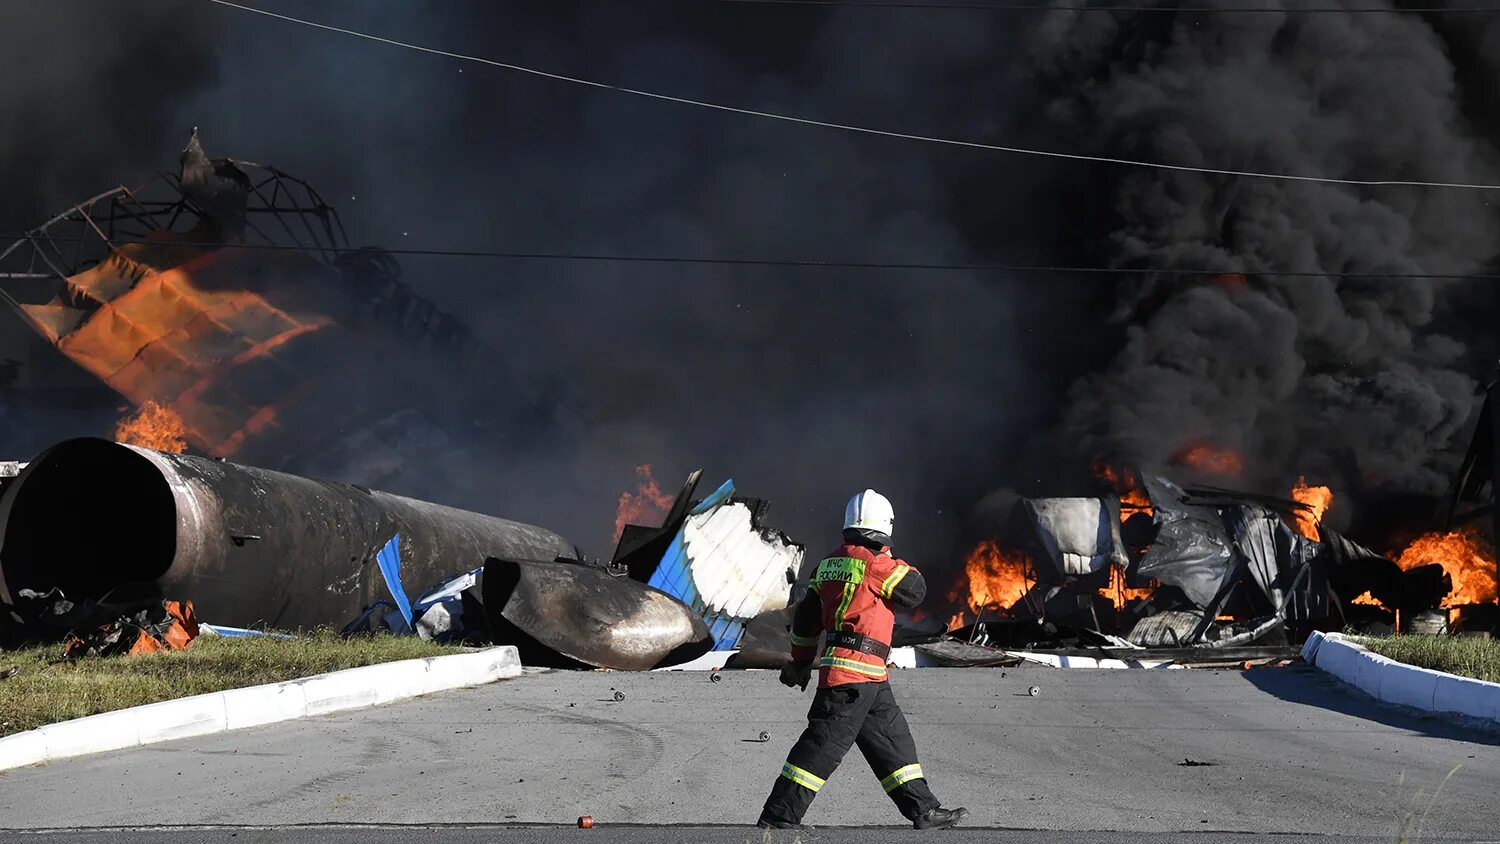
x,y
870,510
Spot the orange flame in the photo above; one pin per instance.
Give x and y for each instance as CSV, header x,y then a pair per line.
x,y
1121,594
994,579
1366,599
1463,556
1319,498
154,427
648,502
1214,461
1133,498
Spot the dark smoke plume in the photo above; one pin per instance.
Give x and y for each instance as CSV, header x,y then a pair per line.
x,y
1350,379
807,385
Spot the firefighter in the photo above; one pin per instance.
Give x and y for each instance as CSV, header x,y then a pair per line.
x,y
850,597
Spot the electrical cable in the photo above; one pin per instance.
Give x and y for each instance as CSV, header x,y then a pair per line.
x,y
790,263
848,127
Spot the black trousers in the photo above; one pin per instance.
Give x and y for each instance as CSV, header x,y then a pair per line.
x,y
860,713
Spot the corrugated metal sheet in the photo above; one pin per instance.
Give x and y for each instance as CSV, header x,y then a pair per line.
x,y
726,568
192,336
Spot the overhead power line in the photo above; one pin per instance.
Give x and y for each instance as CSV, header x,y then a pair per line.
x,y
1036,7
788,263
847,127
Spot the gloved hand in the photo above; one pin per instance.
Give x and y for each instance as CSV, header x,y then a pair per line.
x,y
797,674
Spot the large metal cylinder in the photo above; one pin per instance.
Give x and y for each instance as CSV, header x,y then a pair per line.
x,y
249,547
571,616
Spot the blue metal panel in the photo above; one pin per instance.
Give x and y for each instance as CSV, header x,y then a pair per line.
x,y
721,495
674,577
389,559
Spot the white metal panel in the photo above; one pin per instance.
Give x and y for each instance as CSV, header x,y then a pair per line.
x,y
735,568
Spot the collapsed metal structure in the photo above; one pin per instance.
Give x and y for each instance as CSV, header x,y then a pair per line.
x,y
228,293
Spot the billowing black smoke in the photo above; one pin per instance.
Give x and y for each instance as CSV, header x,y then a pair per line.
x,y
1354,379
808,384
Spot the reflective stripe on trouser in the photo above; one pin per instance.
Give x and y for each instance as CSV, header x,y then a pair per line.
x,y
802,778
858,713
900,776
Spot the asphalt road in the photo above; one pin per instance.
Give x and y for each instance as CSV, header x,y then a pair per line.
x,y
1285,751
662,835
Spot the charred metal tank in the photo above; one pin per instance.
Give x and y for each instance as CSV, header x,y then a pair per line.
x,y
250,547
566,615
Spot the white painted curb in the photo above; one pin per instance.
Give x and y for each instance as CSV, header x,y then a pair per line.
x,y
1399,683
235,709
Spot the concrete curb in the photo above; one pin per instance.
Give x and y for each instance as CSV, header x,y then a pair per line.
x,y
236,709
1402,684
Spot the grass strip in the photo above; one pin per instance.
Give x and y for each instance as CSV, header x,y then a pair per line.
x,y
45,691
1466,656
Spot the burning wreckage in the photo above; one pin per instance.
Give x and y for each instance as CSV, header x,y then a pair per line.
x,y
224,304
168,297
93,531
1182,574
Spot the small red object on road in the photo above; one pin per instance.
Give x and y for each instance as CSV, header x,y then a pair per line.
x,y
1246,665
586,822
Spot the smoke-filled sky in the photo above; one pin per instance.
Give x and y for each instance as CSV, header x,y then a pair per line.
x,y
806,385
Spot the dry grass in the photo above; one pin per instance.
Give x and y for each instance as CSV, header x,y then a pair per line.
x,y
1466,656
46,691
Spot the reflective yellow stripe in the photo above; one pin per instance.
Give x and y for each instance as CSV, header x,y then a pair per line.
x,y
858,667
803,778
804,641
889,586
900,776
850,588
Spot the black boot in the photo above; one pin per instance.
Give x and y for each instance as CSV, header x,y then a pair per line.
x,y
940,818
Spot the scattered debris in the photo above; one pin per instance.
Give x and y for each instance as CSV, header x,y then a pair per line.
x,y
1191,763
169,625
957,653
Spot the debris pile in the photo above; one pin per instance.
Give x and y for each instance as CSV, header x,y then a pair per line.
x,y
90,521
166,626
1155,565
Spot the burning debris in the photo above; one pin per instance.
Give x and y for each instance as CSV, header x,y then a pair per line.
x,y
225,304
91,529
1163,566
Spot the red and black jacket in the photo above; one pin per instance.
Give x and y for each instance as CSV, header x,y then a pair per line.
x,y
850,598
